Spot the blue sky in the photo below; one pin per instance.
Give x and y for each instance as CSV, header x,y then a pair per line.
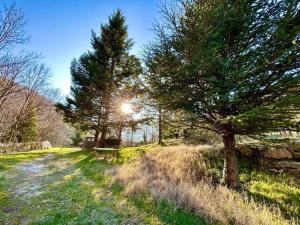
x,y
60,29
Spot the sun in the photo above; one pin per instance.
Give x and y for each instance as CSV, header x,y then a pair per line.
x,y
126,108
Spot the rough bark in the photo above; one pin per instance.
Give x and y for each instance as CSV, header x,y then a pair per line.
x,y
120,130
159,125
120,135
96,138
103,136
230,170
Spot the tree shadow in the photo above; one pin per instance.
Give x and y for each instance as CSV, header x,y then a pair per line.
x,y
165,211
284,205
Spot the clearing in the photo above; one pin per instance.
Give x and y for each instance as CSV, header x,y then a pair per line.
x,y
69,186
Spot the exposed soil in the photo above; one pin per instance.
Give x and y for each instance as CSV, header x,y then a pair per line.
x,y
30,176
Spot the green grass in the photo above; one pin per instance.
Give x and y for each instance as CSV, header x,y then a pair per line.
x,y
278,190
165,211
76,190
128,153
9,160
274,189
80,192
161,210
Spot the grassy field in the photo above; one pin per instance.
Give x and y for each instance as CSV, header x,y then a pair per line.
x,y
176,173
70,186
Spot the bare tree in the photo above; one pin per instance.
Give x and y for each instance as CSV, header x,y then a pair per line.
x,y
12,66
23,79
12,27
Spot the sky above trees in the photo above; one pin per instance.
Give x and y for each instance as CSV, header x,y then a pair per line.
x,y
60,30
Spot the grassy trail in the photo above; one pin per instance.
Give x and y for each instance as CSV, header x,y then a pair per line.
x,y
69,186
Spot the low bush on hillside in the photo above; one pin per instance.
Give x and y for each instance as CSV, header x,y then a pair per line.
x,y
183,176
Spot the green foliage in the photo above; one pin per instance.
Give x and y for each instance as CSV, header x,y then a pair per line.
x,y
102,78
129,153
180,124
28,127
233,64
76,139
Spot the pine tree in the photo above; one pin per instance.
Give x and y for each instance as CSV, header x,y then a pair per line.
x,y
234,64
111,52
153,87
145,137
28,127
76,139
102,78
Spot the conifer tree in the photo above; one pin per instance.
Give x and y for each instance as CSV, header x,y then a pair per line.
x,y
28,127
234,64
102,78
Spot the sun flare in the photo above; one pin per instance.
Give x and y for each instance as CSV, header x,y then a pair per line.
x,y
126,108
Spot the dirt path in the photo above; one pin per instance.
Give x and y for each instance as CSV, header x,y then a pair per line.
x,y
30,176
27,181
69,189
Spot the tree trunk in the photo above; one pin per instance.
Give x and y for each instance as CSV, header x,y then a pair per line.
x,y
120,134
96,138
120,130
103,136
159,126
230,170
131,139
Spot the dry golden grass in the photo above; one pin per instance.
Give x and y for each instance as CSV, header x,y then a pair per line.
x,y
178,174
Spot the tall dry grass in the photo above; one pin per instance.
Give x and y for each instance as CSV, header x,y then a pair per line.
x,y
178,174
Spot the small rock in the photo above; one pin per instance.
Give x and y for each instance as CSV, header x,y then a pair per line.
x,y
287,165
296,155
278,154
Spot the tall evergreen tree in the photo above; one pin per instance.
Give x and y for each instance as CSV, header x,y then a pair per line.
x,y
234,64
153,87
28,127
102,78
